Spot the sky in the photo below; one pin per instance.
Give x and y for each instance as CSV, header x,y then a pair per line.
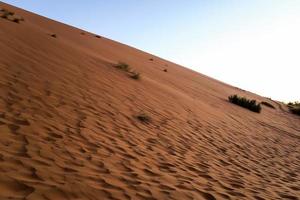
x,y
254,45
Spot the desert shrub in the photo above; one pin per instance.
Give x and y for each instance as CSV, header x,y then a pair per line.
x,y
53,35
6,13
294,104
143,117
4,16
246,103
294,107
165,70
16,20
21,19
267,104
295,110
134,75
151,59
125,67
122,66
98,36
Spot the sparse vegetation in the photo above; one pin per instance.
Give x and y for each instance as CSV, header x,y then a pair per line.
x,y
295,110
151,59
125,67
122,66
246,103
294,107
5,14
143,118
134,75
53,35
98,36
165,70
267,104
16,20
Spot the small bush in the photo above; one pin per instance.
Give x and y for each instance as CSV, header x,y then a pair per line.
x,y
165,70
295,110
151,59
16,20
267,104
125,67
98,36
134,75
246,103
294,107
5,14
53,35
122,66
21,19
143,118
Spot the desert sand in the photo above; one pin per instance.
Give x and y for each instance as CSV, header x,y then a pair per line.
x,y
69,126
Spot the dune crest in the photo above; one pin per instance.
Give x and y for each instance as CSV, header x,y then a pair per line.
x,y
75,126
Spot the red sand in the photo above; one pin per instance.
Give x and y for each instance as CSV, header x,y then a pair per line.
x,y
68,127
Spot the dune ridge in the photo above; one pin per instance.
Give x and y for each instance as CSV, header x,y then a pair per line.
x,y
69,129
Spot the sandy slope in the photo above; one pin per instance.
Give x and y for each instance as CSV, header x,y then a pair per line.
x,y
68,128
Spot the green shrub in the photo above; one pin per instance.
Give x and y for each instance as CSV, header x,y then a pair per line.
x,y
246,103
267,104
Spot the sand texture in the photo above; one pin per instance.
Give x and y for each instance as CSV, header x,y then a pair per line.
x,y
69,125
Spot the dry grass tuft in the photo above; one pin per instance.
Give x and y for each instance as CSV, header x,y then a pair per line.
x,y
143,118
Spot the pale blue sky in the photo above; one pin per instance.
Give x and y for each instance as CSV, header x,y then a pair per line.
x,y
254,45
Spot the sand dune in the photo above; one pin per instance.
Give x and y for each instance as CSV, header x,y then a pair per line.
x,y
69,126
